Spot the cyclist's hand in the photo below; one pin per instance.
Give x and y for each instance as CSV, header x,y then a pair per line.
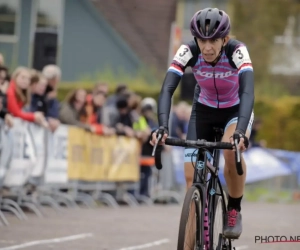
x,y
163,131
242,140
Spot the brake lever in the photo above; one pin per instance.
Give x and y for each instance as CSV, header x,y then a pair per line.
x,y
239,167
238,154
155,145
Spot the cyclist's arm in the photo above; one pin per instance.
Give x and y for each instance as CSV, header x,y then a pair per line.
x,y
180,61
246,90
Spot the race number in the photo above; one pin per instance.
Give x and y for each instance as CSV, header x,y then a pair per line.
x,y
241,56
183,55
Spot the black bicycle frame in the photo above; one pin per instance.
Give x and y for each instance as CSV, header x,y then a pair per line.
x,y
200,180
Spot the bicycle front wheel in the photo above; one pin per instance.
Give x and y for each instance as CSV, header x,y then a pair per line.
x,y
190,230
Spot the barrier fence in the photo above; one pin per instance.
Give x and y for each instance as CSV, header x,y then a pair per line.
x,y
72,166
69,153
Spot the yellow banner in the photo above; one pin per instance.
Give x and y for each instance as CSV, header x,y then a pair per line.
x,y
101,158
77,153
124,159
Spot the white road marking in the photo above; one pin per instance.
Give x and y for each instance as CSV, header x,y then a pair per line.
x,y
43,242
147,245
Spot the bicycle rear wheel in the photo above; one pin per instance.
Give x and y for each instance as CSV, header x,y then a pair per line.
x,y
190,230
218,241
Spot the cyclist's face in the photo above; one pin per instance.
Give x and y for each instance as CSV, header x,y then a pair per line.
x,y
210,49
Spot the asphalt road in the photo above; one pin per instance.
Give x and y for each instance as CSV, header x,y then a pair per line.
x,y
143,227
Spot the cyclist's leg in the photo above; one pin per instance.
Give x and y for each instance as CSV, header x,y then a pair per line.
x,y
198,128
235,183
191,135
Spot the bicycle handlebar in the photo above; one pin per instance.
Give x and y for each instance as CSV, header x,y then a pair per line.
x,y
198,144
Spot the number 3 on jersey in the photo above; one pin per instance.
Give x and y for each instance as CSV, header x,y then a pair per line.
x,y
183,55
184,52
241,56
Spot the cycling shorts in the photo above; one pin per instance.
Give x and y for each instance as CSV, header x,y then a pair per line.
x,y
202,121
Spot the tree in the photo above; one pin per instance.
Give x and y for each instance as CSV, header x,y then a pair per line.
x,y
257,22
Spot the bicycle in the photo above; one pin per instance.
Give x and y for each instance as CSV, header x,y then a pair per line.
x,y
205,193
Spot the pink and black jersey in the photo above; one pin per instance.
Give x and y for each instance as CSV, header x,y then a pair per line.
x,y
219,84
228,83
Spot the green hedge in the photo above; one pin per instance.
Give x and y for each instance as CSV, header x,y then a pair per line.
x,y
281,122
141,89
280,116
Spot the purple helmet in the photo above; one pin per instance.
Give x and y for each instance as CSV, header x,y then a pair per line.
x,y
210,23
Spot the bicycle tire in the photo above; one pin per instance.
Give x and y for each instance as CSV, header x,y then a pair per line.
x,y
220,201
192,194
215,204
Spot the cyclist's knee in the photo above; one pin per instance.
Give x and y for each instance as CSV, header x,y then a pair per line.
x,y
229,157
189,173
190,156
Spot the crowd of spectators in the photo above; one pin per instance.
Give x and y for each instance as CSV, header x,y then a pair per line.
x,y
31,95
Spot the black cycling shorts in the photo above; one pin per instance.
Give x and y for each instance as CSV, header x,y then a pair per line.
x,y
202,121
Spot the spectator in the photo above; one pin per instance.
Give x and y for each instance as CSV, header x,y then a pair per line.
x,y
103,87
186,117
53,75
178,120
93,107
18,97
255,129
8,119
120,91
140,125
4,83
148,108
120,117
4,79
1,60
72,109
38,86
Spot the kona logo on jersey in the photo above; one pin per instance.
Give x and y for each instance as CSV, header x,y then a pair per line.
x,y
217,75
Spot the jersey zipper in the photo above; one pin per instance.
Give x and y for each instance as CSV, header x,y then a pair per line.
x,y
216,88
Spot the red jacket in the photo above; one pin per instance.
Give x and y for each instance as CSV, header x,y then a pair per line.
x,y
14,106
91,116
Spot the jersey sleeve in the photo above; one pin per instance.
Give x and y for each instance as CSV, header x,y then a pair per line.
x,y
182,59
241,59
243,63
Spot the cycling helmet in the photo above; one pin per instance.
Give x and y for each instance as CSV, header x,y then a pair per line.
x,y
210,23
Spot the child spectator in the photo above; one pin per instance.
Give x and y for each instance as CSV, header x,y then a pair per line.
x,y
38,99
94,103
18,96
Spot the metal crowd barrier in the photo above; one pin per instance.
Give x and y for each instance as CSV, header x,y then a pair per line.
x,y
72,168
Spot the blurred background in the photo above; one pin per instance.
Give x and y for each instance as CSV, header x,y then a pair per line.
x,y
97,66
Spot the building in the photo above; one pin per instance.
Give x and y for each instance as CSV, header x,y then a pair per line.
x,y
85,36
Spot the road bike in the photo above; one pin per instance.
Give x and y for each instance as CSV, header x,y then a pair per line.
x,y
205,204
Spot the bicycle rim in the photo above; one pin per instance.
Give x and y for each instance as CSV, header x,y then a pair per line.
x,y
218,222
190,230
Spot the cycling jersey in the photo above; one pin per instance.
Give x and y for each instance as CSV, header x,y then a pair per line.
x,y
228,83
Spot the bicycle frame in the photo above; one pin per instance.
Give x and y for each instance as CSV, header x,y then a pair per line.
x,y
207,187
